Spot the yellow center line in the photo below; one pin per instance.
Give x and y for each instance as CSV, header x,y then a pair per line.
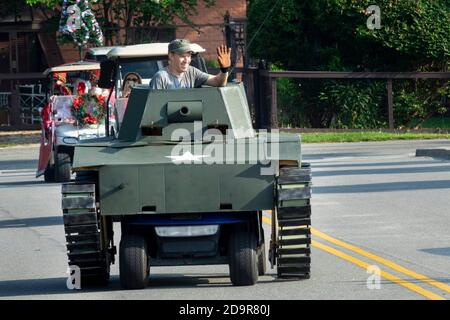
x,y
364,265
427,294
381,260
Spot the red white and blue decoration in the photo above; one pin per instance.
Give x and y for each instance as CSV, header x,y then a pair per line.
x,y
78,24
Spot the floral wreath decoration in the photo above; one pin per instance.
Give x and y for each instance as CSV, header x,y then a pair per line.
x,y
88,109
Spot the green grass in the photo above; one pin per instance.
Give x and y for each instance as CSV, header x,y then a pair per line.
x,y
323,137
6,145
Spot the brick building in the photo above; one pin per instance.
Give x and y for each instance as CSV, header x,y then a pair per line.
x,y
26,45
210,22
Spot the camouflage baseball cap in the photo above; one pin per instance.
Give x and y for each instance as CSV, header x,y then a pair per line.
x,y
180,46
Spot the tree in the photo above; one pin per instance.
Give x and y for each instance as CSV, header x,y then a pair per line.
x,y
16,8
138,14
332,35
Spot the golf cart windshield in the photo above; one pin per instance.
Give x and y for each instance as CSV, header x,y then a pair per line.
x,y
144,67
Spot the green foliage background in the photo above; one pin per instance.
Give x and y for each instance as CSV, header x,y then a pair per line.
x,y
332,35
123,14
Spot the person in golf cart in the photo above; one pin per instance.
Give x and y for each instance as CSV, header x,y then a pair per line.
x,y
73,112
60,85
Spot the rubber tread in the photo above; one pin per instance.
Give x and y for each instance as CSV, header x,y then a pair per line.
x,y
83,246
294,171
303,178
82,233
294,232
77,188
75,238
294,260
287,251
294,271
291,260
294,212
294,222
80,218
294,242
81,229
78,202
294,194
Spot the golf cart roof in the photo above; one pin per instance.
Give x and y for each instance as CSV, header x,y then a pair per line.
x,y
96,51
74,66
146,50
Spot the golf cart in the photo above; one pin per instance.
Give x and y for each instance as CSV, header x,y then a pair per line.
x,y
97,53
75,110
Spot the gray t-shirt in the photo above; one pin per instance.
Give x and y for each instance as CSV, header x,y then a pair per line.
x,y
192,78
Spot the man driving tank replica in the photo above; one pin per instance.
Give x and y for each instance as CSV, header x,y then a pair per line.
x,y
188,178
180,74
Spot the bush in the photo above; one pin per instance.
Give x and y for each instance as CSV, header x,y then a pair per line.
x,y
355,105
332,35
334,104
417,101
290,113
351,104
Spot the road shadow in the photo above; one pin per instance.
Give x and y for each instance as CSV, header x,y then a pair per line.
x,y
384,187
372,164
445,168
18,164
58,286
178,281
323,156
438,251
30,183
32,287
32,222
446,142
50,286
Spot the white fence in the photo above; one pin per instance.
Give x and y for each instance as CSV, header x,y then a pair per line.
x,y
5,106
5,99
31,100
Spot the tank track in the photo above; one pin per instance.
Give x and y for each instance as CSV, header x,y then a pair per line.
x,y
82,230
293,215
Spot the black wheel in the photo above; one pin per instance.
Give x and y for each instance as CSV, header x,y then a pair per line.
x,y
134,271
243,258
62,166
49,173
262,266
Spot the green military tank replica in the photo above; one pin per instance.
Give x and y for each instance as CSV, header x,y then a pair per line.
x,y
188,178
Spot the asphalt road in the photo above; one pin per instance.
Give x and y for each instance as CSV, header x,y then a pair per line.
x,y
375,205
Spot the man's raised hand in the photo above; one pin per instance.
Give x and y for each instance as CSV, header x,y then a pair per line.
x,y
224,56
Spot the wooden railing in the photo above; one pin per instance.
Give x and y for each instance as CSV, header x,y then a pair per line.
x,y
262,88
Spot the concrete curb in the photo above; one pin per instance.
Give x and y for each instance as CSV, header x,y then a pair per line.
x,y
434,153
